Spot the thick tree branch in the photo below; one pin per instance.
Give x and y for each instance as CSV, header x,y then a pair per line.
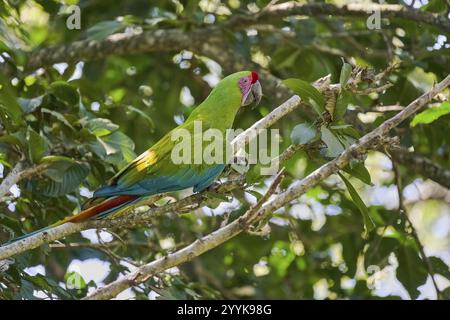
x,y
174,39
294,191
390,11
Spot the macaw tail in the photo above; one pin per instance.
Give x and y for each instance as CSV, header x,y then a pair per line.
x,y
107,207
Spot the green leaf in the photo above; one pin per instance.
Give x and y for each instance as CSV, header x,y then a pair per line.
x,y
144,115
9,107
346,71
334,146
100,126
352,244
65,92
74,280
63,177
281,258
379,250
56,166
436,6
103,29
11,139
58,116
119,148
439,266
342,103
307,92
369,225
29,105
431,114
359,170
303,133
411,271
36,145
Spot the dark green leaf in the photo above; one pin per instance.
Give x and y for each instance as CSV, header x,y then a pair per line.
x,y
64,177
343,100
411,271
58,116
65,92
439,266
9,107
144,115
307,92
368,223
359,170
103,29
436,6
379,250
36,145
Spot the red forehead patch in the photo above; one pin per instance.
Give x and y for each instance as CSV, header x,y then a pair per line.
x,y
255,77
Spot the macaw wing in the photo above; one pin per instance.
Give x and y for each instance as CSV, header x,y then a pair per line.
x,y
154,172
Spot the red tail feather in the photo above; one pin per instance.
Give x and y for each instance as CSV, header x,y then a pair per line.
x,y
99,208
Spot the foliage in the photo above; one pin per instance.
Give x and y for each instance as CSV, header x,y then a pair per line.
x,y
83,120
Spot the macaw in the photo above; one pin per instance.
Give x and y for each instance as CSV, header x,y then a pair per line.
x,y
153,172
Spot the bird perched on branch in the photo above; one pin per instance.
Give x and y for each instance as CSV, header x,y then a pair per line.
x,y
154,172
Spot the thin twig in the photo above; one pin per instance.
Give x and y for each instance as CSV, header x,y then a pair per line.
x,y
404,213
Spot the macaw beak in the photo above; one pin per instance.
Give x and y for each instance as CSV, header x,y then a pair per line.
x,y
253,95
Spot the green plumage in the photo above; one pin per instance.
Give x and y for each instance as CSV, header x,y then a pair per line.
x,y
154,172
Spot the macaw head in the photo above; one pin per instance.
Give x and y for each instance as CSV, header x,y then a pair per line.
x,y
250,88
244,84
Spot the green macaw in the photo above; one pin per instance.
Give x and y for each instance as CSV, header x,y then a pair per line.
x,y
153,172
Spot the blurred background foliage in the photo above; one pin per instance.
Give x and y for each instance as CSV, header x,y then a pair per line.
x,y
86,119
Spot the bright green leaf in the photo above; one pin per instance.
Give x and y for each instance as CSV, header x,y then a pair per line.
x,y
100,126
431,114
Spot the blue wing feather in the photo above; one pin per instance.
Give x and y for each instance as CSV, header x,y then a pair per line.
x,y
187,178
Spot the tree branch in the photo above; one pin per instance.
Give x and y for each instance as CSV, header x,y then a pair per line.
x,y
287,9
174,40
413,231
294,191
188,253
16,174
421,165
12,178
